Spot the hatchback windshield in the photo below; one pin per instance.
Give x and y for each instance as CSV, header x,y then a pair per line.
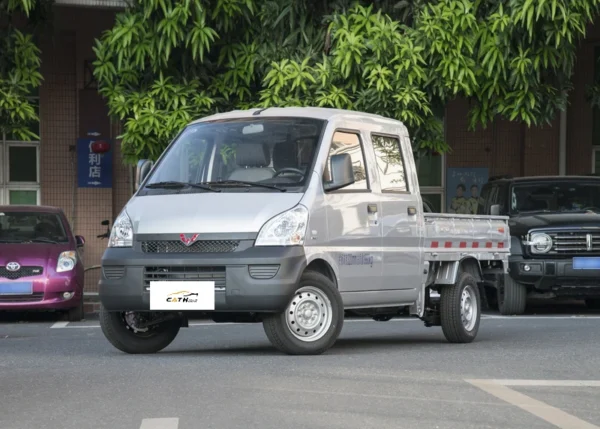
x,y
265,154
21,227
557,196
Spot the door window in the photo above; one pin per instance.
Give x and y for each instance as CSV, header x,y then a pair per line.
x,y
390,163
350,143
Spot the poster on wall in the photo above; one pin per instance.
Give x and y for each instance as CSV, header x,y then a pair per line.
x,y
463,188
94,169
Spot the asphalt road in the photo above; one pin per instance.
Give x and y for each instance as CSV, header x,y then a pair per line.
x,y
395,374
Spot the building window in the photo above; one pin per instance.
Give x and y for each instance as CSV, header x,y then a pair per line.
x,y
430,168
350,143
390,163
20,168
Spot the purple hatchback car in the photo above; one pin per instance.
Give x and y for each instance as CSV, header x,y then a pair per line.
x,y
40,263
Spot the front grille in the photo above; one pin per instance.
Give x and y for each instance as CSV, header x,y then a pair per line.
x,y
185,273
205,246
34,297
21,272
575,242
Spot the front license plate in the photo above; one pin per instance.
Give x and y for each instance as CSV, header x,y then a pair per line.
x,y
16,288
183,295
586,263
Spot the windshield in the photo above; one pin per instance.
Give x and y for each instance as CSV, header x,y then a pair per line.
x,y
240,155
555,197
20,227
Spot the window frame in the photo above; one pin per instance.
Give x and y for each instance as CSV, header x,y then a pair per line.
x,y
403,158
361,144
10,144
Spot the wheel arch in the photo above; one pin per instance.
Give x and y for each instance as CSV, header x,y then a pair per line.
x,y
321,266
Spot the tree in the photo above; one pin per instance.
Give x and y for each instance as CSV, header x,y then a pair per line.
x,y
166,62
20,65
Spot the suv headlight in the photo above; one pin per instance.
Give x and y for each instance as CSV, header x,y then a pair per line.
x,y
540,243
285,229
122,232
66,261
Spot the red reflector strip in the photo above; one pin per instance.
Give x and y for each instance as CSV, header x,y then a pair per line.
x,y
448,244
501,230
435,244
500,245
463,244
475,244
488,245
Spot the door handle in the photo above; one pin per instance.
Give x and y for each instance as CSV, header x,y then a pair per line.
x,y
372,208
411,210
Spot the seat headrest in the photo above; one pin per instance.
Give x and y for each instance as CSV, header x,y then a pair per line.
x,y
252,155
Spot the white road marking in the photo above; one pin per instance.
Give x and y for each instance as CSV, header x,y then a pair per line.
x,y
169,423
539,409
60,325
549,383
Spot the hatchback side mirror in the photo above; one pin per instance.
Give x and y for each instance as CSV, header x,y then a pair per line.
x,y
342,173
143,168
79,240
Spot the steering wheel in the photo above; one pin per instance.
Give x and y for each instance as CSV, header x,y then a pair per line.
x,y
289,170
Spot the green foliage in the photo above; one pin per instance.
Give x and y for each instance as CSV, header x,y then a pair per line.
x,y
19,69
166,62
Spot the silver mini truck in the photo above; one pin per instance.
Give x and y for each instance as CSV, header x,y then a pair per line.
x,y
293,218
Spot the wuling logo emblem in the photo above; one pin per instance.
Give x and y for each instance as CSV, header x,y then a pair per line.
x,y
188,241
183,296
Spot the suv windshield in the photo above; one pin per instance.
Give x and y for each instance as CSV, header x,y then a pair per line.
x,y
556,196
239,155
25,227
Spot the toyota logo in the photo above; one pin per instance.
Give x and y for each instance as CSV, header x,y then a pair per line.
x,y
13,266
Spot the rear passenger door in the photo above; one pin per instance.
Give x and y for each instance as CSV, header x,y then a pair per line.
x,y
401,219
354,230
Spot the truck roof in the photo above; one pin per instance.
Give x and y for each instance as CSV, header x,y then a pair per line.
x,y
323,113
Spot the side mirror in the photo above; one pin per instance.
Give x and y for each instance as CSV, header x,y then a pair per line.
x,y
105,222
342,173
143,168
495,210
79,240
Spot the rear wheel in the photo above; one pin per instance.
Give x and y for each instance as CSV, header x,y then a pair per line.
x,y
131,333
312,321
593,304
460,309
512,297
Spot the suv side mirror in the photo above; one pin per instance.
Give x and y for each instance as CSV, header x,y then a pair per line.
x,y
342,173
79,240
495,210
143,168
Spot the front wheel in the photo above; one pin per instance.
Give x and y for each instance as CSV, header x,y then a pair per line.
x,y
460,309
312,321
131,333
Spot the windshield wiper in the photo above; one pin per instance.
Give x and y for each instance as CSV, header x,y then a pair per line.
x,y
179,185
243,182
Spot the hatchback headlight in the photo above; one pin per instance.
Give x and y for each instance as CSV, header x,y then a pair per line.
x,y
285,229
122,232
540,243
66,261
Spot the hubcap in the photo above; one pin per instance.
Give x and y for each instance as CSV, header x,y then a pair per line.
x,y
309,314
468,308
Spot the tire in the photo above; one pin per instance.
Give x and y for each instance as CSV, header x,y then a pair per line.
x,y
461,297
316,294
593,304
76,314
123,337
512,297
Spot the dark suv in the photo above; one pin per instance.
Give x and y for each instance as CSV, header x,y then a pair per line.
x,y
555,244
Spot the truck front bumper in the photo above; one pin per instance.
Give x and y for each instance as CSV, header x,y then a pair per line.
x,y
555,276
258,279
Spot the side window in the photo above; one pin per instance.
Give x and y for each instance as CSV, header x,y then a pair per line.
x,y
390,163
483,200
492,199
345,142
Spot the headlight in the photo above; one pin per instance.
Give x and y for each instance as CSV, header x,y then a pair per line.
x,y
540,243
66,261
122,232
285,229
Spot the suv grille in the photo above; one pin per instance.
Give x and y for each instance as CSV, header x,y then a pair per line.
x,y
208,246
575,242
22,272
183,273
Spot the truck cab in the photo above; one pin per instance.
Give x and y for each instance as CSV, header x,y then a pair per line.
x,y
555,238
291,217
